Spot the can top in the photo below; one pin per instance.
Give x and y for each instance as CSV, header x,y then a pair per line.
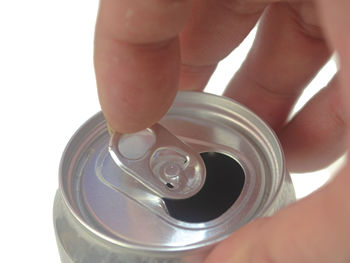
x,y
123,210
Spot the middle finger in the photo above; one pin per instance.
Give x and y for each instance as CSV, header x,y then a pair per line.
x,y
287,53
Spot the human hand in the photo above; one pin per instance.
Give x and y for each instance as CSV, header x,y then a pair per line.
x,y
139,69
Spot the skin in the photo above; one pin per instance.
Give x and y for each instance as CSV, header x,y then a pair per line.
x,y
146,50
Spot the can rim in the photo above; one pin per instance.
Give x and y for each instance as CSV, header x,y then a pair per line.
x,y
204,244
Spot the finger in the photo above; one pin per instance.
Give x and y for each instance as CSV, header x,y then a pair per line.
x,y
313,230
336,21
212,31
137,59
316,136
287,53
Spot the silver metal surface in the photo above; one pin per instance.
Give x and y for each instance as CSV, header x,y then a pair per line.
x,y
102,214
160,161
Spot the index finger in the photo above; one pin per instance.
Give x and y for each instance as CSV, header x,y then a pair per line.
x,y
137,59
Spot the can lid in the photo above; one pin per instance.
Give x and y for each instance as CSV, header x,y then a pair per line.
x,y
125,207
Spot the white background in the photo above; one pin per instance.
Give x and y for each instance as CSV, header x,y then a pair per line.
x,y
47,90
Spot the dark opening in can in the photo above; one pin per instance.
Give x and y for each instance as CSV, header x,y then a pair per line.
x,y
224,183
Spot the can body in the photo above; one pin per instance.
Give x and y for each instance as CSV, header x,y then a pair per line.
x,y
77,244
101,215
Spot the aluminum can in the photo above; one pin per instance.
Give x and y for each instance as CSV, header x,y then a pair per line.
x,y
101,214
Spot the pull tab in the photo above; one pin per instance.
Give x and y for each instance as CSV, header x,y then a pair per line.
x,y
160,161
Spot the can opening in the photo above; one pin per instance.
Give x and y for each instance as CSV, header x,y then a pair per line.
x,y
223,185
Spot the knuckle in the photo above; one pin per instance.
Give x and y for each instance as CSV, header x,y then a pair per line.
x,y
336,108
306,16
337,117
242,7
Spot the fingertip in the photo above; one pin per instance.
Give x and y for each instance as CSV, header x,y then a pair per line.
x,y
136,83
128,116
239,246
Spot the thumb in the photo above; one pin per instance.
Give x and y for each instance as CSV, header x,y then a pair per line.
x,y
315,229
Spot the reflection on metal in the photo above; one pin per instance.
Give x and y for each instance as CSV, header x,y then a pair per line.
x,y
160,161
